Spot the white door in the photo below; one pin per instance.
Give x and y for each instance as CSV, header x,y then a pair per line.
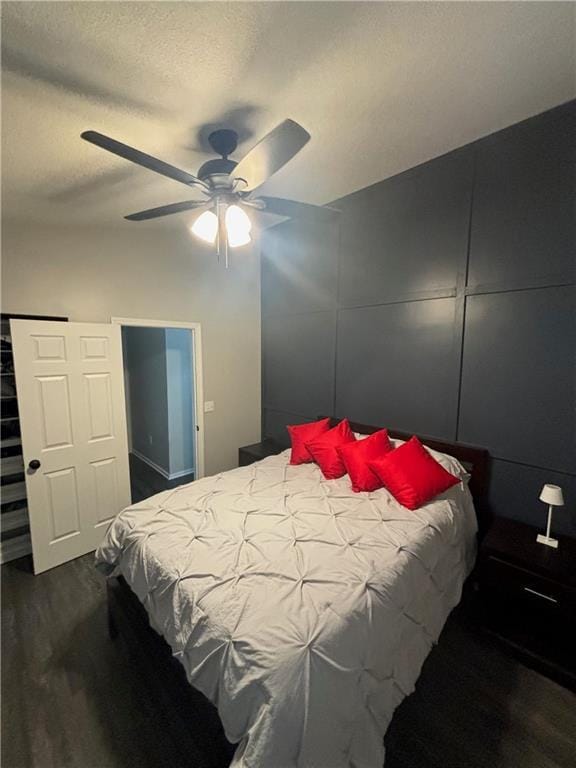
x,y
70,385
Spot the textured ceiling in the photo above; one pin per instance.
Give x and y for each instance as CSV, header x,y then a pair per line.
x,y
380,86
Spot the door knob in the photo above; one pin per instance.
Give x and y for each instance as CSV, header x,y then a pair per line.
x,y
34,464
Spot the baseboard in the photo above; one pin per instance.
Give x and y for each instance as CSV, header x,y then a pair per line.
x,y
12,549
159,469
181,473
152,464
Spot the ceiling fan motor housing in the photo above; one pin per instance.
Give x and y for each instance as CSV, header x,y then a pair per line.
x,y
218,167
224,142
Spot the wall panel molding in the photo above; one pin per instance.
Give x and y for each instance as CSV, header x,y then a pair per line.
x,y
553,281
518,391
298,362
523,224
299,267
386,229
485,239
398,364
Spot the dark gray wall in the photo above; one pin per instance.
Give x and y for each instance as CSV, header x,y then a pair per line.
x,y
441,301
145,359
179,384
160,410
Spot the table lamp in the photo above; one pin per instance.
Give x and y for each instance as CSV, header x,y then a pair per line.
x,y
551,495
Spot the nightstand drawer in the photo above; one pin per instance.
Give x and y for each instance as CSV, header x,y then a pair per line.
x,y
513,581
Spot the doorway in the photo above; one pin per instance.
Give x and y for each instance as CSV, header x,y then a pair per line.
x,y
163,390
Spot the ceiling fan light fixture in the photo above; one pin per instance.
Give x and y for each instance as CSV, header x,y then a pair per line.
x,y
238,240
206,227
228,185
238,226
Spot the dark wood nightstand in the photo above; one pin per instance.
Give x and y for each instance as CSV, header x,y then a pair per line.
x,y
248,454
527,597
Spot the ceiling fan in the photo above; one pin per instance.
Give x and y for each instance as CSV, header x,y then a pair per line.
x,y
228,186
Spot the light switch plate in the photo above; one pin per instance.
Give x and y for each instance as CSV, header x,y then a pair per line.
x,y
208,406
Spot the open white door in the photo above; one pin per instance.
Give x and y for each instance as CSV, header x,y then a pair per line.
x,y
70,384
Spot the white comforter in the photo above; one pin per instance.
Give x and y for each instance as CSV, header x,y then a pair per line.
x,y
302,610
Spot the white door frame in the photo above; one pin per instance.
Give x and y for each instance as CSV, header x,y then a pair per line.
x,y
198,378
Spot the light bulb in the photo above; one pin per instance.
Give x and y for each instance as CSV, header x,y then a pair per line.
x,y
238,226
206,227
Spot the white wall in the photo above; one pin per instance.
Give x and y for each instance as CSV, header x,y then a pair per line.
x,y
141,271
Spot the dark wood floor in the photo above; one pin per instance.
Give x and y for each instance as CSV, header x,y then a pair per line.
x,y
145,481
72,698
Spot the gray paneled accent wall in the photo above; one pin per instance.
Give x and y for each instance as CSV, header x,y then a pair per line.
x,y
385,373
441,301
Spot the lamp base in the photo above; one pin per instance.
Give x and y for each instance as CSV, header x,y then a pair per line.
x,y
548,540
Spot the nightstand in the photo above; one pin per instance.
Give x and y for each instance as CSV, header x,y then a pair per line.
x,y
527,597
248,454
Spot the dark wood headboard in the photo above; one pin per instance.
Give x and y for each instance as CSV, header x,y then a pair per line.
x,y
475,460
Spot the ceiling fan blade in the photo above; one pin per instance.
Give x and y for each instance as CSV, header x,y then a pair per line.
x,y
167,210
141,158
292,209
271,153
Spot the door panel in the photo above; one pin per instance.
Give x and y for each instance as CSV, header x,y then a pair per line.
x,y
99,406
70,386
49,347
95,348
54,400
63,503
104,475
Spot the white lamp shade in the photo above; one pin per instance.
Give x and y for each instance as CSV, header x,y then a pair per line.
x,y
238,226
552,494
206,227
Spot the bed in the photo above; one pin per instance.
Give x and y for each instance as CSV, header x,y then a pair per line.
x,y
301,610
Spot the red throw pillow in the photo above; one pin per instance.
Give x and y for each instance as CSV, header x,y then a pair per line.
x,y
299,436
357,455
324,450
411,475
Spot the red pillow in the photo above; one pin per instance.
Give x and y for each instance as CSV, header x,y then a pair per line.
x,y
324,450
411,475
357,455
299,436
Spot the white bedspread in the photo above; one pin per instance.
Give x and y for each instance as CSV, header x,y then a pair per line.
x,y
302,610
